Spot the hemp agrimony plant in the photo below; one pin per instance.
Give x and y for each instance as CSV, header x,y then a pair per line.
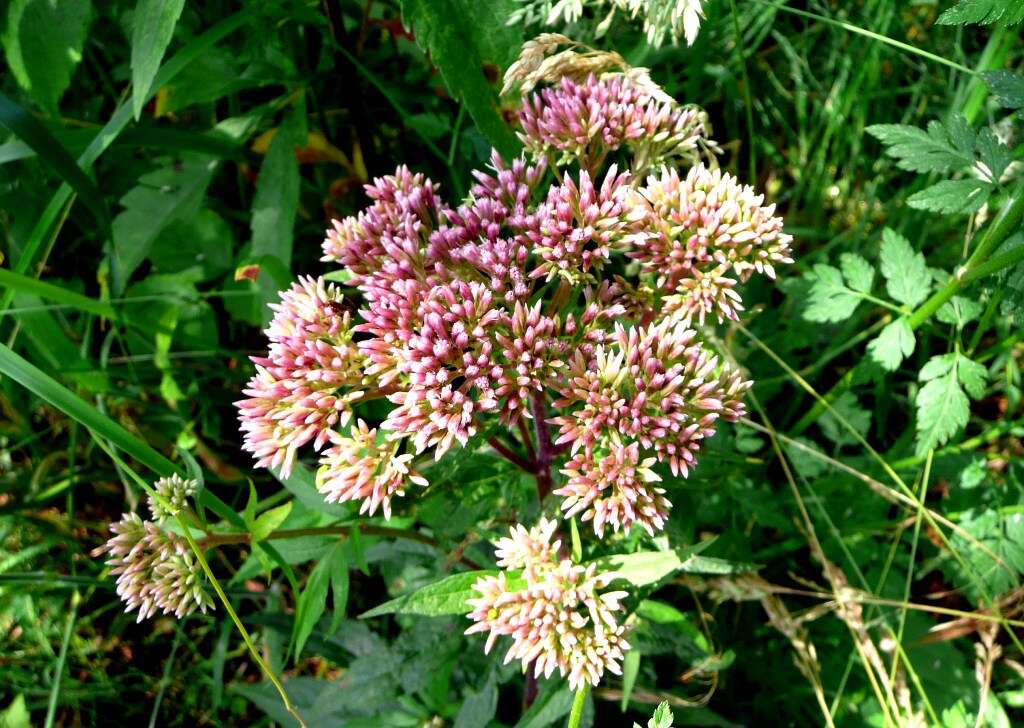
x,y
553,316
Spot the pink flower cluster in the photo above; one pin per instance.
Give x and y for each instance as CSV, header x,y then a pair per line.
x,y
554,611
575,288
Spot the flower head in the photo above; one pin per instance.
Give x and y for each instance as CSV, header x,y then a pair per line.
x,y
559,619
155,569
176,491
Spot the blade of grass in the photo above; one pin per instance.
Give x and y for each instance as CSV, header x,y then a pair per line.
x,y
58,294
30,130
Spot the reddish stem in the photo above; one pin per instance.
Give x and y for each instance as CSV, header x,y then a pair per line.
x,y
510,455
545,447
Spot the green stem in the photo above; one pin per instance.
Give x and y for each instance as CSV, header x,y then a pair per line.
x,y
577,706
976,267
747,102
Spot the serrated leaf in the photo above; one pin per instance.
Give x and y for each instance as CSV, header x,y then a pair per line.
x,y
850,410
942,406
268,522
917,150
1004,12
1002,535
858,273
465,38
959,311
830,300
972,375
894,344
1007,86
447,596
905,270
43,43
152,28
995,155
951,197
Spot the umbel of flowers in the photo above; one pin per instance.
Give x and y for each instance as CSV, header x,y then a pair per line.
x,y
155,568
557,617
565,280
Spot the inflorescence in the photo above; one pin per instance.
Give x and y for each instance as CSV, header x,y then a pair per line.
x,y
155,568
552,609
574,276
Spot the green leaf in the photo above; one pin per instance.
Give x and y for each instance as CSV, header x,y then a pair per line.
x,y
1003,535
662,717
577,545
850,410
57,294
649,567
276,203
202,241
893,345
479,708
152,28
465,38
630,669
27,128
939,149
952,196
830,300
1007,86
44,386
1004,12
447,596
43,42
972,375
859,274
339,587
959,310
16,714
161,197
942,406
110,131
269,521
312,601
905,271
550,706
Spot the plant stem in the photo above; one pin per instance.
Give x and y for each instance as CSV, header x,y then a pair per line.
x,y
976,267
545,448
577,706
511,456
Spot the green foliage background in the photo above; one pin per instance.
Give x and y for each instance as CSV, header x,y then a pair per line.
x,y
152,149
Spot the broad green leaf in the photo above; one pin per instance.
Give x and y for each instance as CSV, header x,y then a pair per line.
x,y
161,197
939,149
1003,534
16,715
649,567
830,300
268,522
202,241
904,269
29,129
550,705
952,197
1007,86
152,28
859,274
313,600
479,708
468,41
276,202
662,717
43,42
1004,12
942,406
447,596
894,344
